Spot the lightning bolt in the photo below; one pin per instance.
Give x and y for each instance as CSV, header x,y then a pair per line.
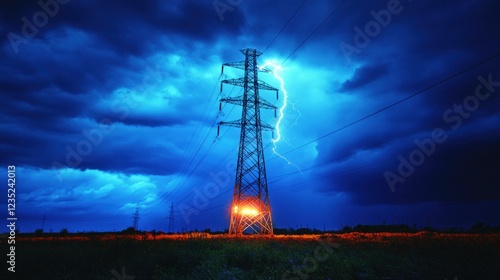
x,y
275,70
298,112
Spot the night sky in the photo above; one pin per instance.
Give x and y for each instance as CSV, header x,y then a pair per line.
x,y
392,114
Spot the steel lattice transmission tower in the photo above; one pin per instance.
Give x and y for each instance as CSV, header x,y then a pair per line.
x,y
135,217
250,209
171,219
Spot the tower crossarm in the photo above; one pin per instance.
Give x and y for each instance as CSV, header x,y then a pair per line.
x,y
266,104
236,82
236,123
239,101
238,65
266,126
241,65
233,100
241,83
266,86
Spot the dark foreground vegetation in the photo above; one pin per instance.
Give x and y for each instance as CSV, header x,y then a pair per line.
x,y
354,255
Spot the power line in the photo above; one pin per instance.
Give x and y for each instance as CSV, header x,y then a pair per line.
x,y
179,185
374,144
284,26
349,169
459,139
277,35
196,131
467,69
381,161
219,164
314,31
204,156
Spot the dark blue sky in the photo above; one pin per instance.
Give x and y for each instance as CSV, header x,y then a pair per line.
x,y
109,105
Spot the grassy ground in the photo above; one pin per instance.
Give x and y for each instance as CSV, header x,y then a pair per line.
x,y
340,256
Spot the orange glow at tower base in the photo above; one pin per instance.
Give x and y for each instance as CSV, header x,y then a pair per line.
x,y
246,211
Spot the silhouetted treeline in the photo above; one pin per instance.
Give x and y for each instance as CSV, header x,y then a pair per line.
x,y
479,227
400,228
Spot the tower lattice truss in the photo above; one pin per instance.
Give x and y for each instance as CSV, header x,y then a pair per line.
x,y
251,208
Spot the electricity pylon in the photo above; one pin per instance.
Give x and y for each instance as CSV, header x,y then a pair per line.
x,y
250,209
135,217
43,222
171,219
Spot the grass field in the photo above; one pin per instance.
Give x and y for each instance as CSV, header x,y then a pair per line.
x,y
419,255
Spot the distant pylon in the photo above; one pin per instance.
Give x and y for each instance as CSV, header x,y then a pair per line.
x,y
171,219
251,208
43,222
135,217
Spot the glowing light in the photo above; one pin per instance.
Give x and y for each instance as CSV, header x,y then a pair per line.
x,y
246,211
249,211
276,68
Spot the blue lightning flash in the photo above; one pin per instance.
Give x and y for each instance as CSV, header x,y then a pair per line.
x,y
275,69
